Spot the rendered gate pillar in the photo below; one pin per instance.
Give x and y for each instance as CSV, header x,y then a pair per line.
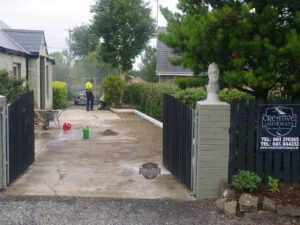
x,y
213,140
2,104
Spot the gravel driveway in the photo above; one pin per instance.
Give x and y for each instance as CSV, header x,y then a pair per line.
x,y
35,210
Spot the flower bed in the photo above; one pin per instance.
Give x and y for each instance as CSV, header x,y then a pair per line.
x,y
262,205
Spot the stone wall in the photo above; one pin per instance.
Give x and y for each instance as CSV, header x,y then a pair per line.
x,y
166,79
7,61
34,78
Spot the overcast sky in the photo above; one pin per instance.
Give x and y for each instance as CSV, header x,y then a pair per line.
x,y
55,17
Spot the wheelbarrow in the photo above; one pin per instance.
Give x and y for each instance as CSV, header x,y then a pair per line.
x,y
46,116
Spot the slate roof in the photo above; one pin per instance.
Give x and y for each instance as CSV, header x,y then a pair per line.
x,y
163,65
10,45
30,40
20,42
4,25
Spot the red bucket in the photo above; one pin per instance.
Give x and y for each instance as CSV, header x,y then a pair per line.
x,y
67,126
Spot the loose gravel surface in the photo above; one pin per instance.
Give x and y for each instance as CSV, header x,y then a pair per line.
x,y
73,210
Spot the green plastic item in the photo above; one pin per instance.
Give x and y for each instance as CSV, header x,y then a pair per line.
x,y
86,133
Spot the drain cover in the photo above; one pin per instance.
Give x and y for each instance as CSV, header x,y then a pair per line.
x,y
150,170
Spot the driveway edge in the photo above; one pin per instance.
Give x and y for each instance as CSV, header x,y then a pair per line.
x,y
140,114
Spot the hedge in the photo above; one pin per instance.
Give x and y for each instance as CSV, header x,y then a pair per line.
x,y
60,94
147,97
191,82
190,96
227,95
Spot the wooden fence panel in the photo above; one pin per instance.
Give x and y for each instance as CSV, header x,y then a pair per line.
x,y
284,166
251,136
233,138
242,135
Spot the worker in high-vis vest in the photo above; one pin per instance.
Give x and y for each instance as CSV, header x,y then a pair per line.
x,y
102,102
89,95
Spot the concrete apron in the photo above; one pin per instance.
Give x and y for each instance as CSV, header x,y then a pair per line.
x,y
103,166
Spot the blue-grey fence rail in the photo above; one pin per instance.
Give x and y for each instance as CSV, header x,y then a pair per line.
x,y
284,166
21,135
177,138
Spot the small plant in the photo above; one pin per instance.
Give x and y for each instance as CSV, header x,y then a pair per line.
x,y
11,87
246,180
273,185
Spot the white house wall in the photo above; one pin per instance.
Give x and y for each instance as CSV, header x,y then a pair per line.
x,y
7,61
43,49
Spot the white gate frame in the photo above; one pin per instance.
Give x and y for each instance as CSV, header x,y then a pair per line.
x,y
194,153
5,145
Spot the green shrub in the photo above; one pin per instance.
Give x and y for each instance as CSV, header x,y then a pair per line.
x,y
190,96
273,185
191,82
274,95
113,87
11,87
228,96
147,97
246,180
60,94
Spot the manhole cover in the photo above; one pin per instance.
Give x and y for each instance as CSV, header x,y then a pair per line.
x,y
150,170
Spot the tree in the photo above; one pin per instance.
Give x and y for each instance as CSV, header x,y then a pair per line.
x,y
254,42
132,73
91,66
61,69
83,41
148,65
125,27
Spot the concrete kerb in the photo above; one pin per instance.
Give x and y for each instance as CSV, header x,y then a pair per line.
x,y
144,116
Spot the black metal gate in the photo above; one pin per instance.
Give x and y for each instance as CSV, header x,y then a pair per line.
x,y
177,139
20,136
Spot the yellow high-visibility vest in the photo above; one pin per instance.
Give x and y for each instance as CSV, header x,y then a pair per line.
x,y
88,85
102,98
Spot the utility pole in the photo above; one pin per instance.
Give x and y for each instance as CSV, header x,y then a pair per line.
x,y
157,14
70,54
70,61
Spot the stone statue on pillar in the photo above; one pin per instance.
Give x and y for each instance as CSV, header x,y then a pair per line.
x,y
213,84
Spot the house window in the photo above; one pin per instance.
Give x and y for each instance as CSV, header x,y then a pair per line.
x,y
17,69
47,80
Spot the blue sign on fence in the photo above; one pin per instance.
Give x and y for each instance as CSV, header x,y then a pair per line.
x,y
278,128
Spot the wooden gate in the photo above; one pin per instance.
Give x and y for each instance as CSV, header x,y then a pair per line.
x,y
177,139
